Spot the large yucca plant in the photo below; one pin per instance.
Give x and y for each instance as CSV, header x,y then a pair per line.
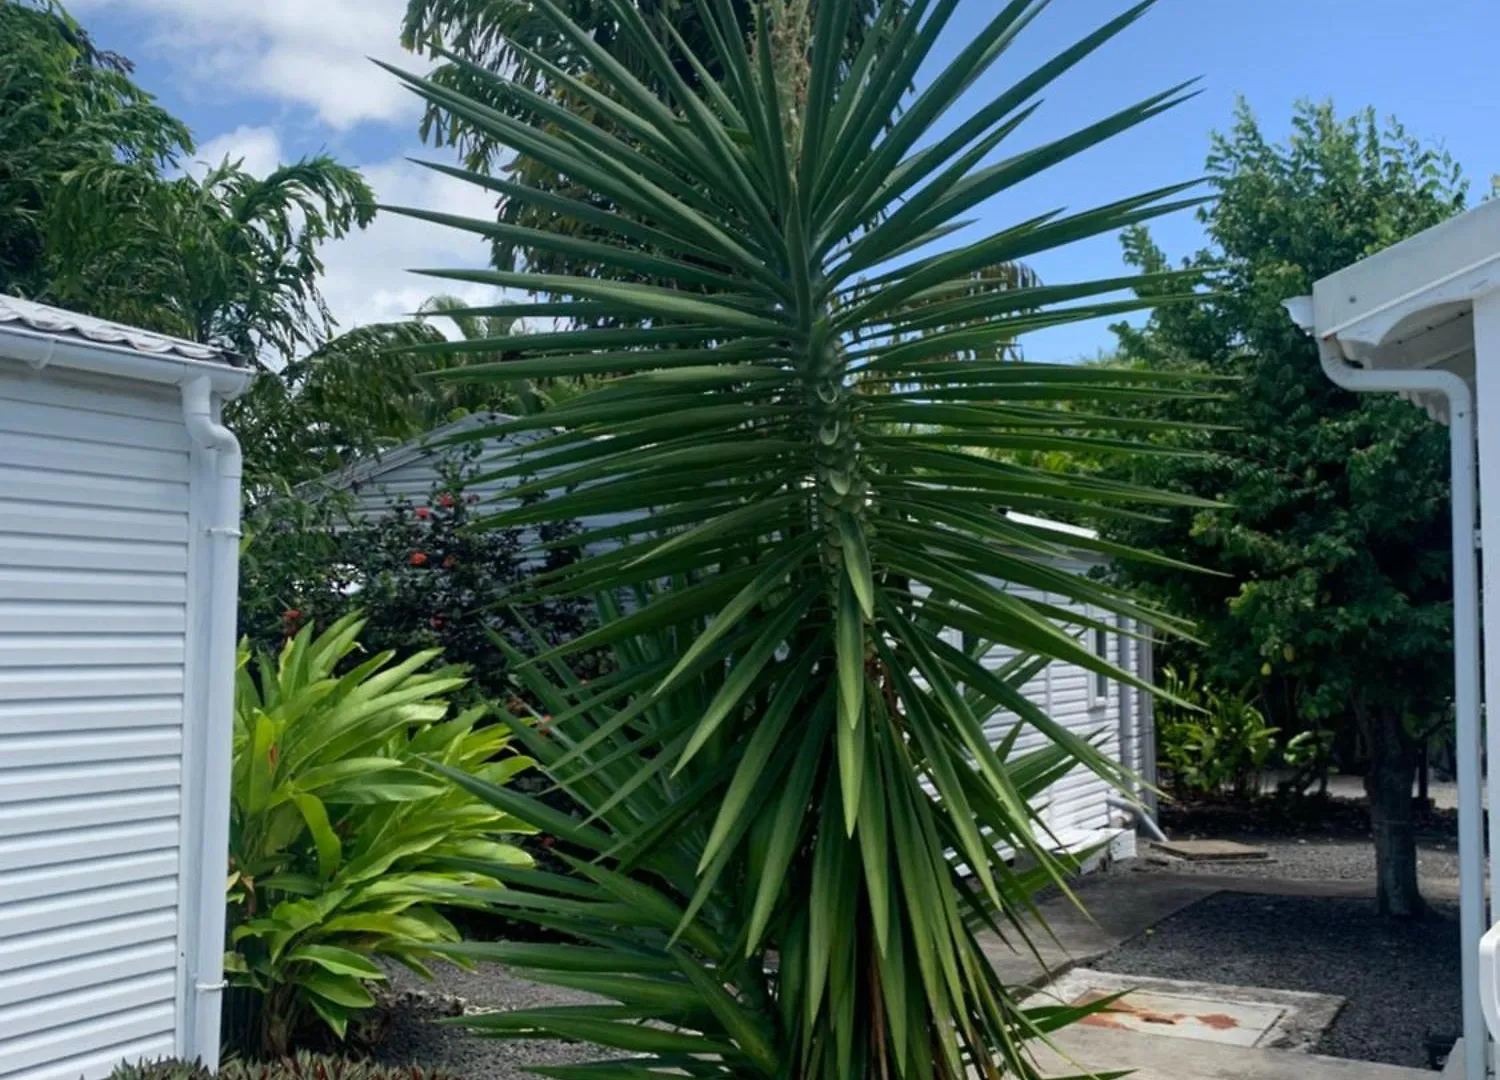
x,y
795,824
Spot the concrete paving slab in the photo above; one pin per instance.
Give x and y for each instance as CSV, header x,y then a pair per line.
x,y
1125,904
1084,1050
1119,906
1213,1012
1210,850
1184,1016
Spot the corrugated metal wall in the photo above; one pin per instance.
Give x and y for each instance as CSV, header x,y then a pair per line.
x,y
94,527
412,477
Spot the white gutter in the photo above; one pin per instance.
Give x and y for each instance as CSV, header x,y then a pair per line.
x,y
223,537
1468,737
41,350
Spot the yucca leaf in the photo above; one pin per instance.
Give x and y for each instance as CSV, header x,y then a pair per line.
x,y
746,670
805,485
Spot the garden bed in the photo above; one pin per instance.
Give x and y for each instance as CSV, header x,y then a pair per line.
x,y
1289,816
1400,979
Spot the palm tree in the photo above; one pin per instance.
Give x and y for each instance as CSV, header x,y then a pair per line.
x,y
226,258
793,827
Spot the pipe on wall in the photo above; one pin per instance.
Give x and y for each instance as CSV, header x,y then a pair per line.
x,y
222,534
1469,736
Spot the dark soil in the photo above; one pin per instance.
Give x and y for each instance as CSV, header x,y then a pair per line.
x,y
1401,979
1309,816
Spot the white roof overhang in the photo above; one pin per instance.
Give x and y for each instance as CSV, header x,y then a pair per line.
x,y
1412,304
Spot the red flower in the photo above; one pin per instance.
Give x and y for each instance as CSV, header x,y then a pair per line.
x,y
423,513
437,623
548,841
445,500
419,558
291,614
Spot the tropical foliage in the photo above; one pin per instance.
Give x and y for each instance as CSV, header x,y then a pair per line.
x,y
1214,741
672,927
65,103
791,759
1334,592
421,575
302,1067
97,214
226,258
471,41
340,833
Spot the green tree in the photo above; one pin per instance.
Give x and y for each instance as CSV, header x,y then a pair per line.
x,y
64,103
1334,541
373,387
789,759
91,220
226,258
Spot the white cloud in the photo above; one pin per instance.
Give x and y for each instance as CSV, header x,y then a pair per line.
x,y
308,52
368,279
258,148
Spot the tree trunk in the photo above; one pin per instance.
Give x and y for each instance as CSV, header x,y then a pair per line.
x,y
1393,767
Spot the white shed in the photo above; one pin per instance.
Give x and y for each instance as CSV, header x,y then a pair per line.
x,y
1080,810
119,511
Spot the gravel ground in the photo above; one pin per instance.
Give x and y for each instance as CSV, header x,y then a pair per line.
x,y
1401,979
416,1038
1302,860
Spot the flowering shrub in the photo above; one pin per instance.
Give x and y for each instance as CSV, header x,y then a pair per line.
x,y
422,577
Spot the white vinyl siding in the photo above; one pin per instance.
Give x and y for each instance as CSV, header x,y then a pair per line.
x,y
95,479
1074,809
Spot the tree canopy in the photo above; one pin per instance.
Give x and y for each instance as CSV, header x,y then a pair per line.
x,y
64,103
1332,543
98,215
225,258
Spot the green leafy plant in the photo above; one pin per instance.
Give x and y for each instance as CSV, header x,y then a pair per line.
x,y
672,930
806,368
1216,742
303,1066
339,832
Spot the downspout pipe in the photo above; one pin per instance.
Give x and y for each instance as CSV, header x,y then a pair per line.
x,y
1466,648
222,534
1138,814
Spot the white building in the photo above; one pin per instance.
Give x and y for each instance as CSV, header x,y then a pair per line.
x,y
119,508
1080,810
1422,319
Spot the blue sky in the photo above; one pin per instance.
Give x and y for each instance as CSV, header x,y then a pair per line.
x,y
275,79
